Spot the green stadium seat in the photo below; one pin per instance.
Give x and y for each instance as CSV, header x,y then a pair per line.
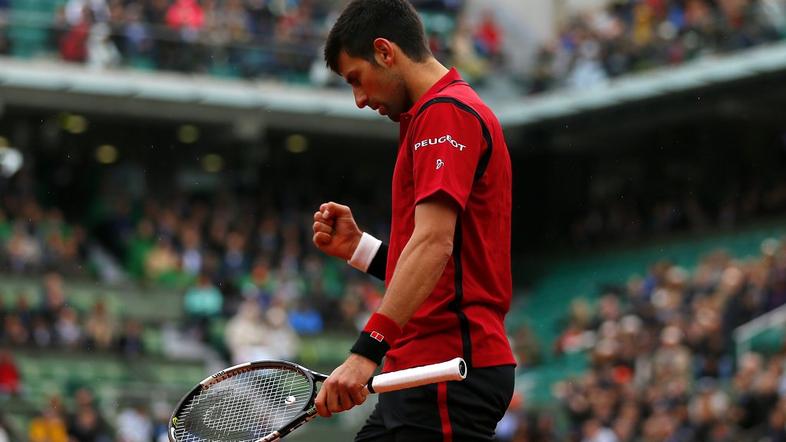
x,y
30,26
153,341
141,63
324,352
769,342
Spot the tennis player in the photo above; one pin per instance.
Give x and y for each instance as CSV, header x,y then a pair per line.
x,y
447,266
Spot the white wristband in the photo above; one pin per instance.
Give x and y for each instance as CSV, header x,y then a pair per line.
x,y
365,252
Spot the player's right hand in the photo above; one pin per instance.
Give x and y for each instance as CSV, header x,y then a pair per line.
x,y
335,230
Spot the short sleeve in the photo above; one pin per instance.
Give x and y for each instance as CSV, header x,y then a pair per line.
x,y
446,143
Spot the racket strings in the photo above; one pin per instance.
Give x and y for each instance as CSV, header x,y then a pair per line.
x,y
245,407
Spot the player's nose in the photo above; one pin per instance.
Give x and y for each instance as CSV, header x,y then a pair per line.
x,y
361,100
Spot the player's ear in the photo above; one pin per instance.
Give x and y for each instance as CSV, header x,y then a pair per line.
x,y
384,51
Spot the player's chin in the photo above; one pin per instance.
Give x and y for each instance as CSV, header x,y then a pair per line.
x,y
395,117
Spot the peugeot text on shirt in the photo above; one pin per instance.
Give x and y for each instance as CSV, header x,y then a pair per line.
x,y
443,139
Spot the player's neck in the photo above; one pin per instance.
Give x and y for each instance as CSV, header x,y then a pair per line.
x,y
420,77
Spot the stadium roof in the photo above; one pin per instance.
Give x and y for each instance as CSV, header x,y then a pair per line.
x,y
59,86
708,71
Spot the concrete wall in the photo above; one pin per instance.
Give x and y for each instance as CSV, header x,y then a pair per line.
x,y
581,5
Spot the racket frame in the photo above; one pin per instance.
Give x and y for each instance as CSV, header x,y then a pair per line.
x,y
453,370
308,412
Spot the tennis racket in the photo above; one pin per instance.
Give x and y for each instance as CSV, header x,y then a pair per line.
x,y
264,401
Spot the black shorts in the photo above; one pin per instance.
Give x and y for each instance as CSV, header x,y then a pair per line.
x,y
444,412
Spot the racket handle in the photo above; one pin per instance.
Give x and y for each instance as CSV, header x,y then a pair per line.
x,y
453,370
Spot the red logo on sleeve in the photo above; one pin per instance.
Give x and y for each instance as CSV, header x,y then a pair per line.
x,y
377,336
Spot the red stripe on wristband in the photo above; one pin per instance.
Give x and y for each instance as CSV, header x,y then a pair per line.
x,y
383,329
377,338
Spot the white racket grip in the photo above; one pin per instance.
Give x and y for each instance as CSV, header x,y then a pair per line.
x,y
453,370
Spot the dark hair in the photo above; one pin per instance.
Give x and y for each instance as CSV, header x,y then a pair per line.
x,y
363,21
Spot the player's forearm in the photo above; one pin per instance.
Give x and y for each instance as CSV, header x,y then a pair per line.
x,y
418,269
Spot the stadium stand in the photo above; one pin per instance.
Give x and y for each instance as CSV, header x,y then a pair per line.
x,y
224,38
633,36
649,348
282,40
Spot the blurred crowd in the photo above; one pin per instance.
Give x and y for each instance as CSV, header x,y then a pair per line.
x,y
238,38
80,417
636,35
662,358
237,263
238,255
283,39
251,286
612,219
54,323
252,38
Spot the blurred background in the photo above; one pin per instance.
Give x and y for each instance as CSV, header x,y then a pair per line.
x,y
174,152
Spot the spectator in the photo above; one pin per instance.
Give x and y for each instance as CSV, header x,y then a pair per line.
x,y
68,330
86,424
672,360
246,334
41,332
191,255
23,310
161,415
527,347
88,427
49,426
139,248
234,262
24,252
465,55
488,38
75,11
251,336
204,300
185,15
776,426
138,39
14,332
134,424
53,296
185,18
305,319
260,283
10,380
286,342
4,43
99,327
594,431
130,342
73,43
161,263
101,50
5,433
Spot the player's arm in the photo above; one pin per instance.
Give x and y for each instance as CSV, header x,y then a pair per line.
x,y
423,259
417,271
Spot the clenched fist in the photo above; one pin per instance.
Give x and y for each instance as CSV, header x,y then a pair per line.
x,y
335,230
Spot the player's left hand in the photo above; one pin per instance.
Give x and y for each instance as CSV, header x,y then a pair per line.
x,y
343,389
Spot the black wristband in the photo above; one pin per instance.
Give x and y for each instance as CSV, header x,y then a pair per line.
x,y
378,265
370,348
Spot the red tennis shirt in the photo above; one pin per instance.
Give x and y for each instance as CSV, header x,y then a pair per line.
x,y
452,143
